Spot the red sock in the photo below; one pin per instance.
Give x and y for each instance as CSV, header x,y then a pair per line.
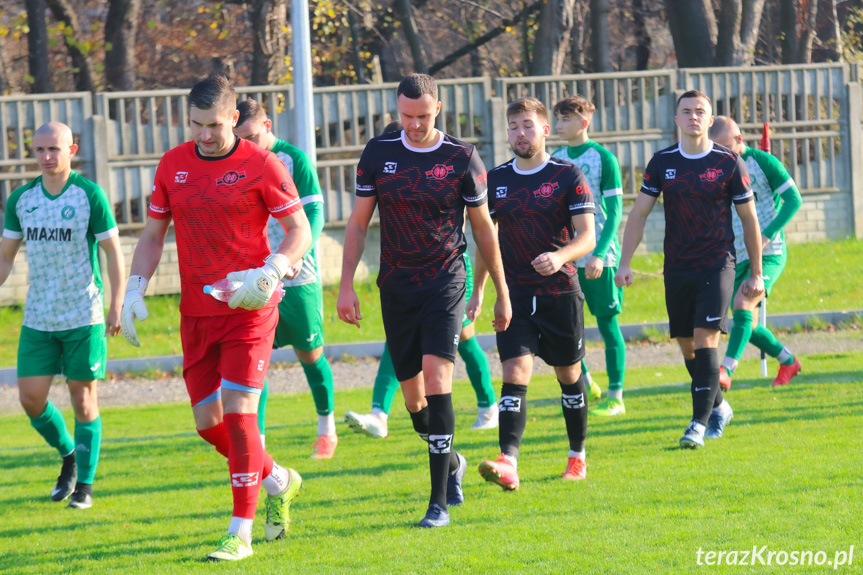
x,y
267,467
217,436
245,461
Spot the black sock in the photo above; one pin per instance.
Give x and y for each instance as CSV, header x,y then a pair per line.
x,y
705,383
84,488
690,367
441,426
573,399
513,417
420,419
719,398
69,461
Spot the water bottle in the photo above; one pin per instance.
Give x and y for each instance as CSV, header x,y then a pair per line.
x,y
224,289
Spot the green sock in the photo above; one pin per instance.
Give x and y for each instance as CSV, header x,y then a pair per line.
x,y
615,351
320,378
386,383
262,408
52,427
740,334
763,339
584,369
88,440
478,372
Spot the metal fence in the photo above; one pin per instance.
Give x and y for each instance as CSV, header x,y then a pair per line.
x,y
814,112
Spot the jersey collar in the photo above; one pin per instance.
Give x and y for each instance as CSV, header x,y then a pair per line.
x,y
696,156
533,171
407,144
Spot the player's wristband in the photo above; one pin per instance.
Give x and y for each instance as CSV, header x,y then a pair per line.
x,y
138,284
280,263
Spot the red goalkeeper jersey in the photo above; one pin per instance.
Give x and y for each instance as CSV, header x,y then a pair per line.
x,y
220,208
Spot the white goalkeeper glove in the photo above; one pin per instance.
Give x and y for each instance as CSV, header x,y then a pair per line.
x,y
134,308
259,283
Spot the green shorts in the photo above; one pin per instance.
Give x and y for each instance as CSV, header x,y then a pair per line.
x,y
468,284
604,299
772,267
79,353
301,318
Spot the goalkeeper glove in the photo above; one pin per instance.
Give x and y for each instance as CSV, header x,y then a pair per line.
x,y
134,308
259,283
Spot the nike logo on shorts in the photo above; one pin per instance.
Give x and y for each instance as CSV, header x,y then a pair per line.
x,y
714,318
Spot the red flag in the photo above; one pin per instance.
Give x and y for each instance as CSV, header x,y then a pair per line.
x,y
765,138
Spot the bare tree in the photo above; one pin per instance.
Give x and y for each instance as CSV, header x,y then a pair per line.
x,y
599,39
403,8
797,22
82,67
268,57
836,46
700,41
121,25
37,45
552,37
642,37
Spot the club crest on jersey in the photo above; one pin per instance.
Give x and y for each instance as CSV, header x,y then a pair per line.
x,y
546,189
439,172
670,174
711,175
390,167
231,177
500,192
180,177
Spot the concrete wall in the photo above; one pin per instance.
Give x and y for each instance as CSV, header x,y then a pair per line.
x,y
822,217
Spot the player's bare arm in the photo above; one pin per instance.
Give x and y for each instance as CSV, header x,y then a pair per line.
x,y
753,287
632,235
549,263
116,278
8,252
348,304
298,240
473,308
485,235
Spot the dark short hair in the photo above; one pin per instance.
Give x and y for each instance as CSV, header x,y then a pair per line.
x,y
250,109
577,104
394,126
214,91
525,105
415,86
693,94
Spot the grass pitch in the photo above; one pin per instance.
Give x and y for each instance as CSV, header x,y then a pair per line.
x,y
786,475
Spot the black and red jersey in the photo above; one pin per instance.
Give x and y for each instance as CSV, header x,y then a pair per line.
x,y
422,194
698,192
534,212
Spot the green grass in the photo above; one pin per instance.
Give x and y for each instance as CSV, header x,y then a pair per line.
x,y
786,475
818,277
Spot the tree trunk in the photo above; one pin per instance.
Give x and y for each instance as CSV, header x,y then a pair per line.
x,y
749,26
552,37
37,47
788,28
837,48
729,32
121,24
82,66
268,56
355,47
642,38
807,36
693,31
599,40
403,9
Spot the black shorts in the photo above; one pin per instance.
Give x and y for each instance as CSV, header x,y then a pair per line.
x,y
426,322
550,327
698,300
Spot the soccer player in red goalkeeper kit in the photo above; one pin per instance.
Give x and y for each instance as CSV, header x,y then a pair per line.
x,y
220,191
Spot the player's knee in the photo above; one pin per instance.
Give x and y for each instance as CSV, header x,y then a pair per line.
x,y
33,404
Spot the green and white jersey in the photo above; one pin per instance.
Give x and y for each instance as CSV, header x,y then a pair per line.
x,y
305,177
769,180
602,171
61,234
